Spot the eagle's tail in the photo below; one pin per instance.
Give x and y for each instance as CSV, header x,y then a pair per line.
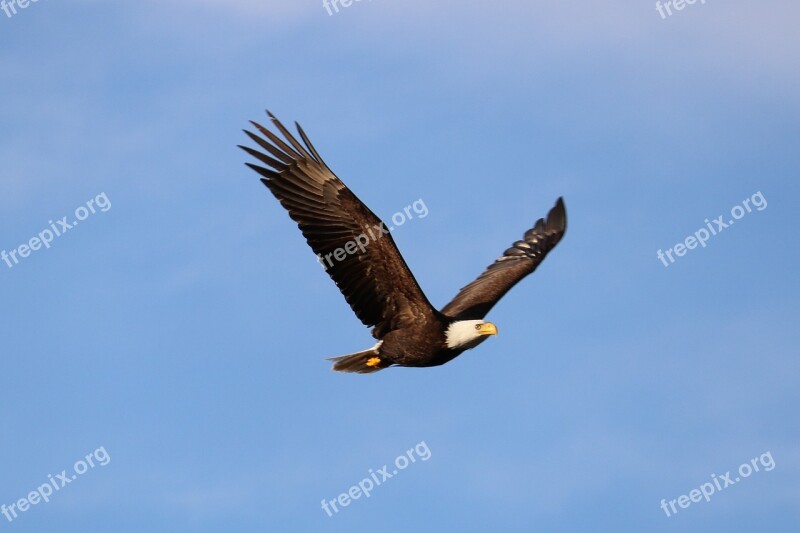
x,y
364,362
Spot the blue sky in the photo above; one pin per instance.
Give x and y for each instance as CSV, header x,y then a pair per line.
x,y
184,329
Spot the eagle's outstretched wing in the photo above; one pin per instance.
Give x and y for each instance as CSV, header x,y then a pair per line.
x,y
477,298
352,243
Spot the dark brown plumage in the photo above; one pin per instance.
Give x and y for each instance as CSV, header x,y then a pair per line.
x,y
374,277
476,299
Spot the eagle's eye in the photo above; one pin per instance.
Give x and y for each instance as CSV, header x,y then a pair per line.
x,y
477,326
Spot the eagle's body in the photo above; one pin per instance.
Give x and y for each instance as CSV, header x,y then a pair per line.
x,y
427,344
373,277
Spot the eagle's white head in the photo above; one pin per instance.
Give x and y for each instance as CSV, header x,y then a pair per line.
x,y
466,334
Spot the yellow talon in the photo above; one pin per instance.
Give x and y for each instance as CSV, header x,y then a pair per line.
x,y
373,361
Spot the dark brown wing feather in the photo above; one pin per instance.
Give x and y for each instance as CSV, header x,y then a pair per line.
x,y
477,298
374,278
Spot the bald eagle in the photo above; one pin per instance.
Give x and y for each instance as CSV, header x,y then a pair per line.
x,y
373,276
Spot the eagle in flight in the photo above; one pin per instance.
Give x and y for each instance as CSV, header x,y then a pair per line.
x,y
374,278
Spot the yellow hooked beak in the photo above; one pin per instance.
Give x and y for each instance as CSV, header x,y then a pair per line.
x,y
488,329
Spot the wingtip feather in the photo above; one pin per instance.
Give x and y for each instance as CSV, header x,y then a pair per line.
x,y
557,217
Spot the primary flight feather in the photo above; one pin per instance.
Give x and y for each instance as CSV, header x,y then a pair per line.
x,y
374,278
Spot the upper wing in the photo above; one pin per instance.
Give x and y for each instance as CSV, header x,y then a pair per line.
x,y
351,242
477,298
